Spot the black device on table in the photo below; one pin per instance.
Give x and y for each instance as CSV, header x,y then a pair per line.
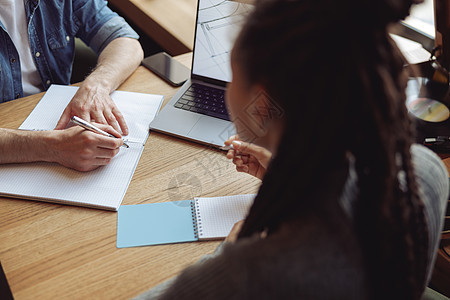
x,y
167,68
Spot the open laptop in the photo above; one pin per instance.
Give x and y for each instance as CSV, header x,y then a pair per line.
x,y
197,112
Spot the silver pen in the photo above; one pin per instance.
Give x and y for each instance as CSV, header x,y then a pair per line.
x,y
88,126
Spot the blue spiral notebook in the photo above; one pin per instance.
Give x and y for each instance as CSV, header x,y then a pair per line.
x,y
180,221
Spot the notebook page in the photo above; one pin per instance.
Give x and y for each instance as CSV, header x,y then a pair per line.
x,y
138,110
103,188
217,215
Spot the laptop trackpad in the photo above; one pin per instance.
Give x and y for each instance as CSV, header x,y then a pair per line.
x,y
212,130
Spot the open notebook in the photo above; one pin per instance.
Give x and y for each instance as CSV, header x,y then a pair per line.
x,y
102,188
180,221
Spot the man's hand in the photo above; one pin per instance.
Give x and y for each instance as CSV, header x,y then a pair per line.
x,y
93,103
82,149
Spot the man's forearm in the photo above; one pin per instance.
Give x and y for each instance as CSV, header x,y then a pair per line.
x,y
17,146
74,147
115,64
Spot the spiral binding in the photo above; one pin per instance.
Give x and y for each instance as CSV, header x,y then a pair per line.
x,y
195,221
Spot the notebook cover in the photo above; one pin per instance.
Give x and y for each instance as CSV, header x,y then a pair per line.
x,y
155,223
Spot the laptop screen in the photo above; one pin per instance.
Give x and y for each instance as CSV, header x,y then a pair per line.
x,y
218,23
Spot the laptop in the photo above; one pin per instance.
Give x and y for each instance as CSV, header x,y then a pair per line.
x,y
197,112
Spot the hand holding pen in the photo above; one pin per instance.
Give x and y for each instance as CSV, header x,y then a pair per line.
x,y
79,148
88,126
248,158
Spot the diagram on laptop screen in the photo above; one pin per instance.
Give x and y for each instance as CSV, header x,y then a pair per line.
x,y
218,24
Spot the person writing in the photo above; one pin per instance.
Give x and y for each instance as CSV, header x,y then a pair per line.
x,y
349,207
38,51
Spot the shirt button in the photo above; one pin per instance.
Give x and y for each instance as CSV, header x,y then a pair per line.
x,y
13,60
38,54
17,95
67,38
48,82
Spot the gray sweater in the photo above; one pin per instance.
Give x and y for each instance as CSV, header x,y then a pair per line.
x,y
315,258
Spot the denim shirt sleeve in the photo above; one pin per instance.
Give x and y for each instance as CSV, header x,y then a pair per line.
x,y
52,28
98,25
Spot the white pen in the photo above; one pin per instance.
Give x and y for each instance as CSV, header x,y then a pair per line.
x,y
88,126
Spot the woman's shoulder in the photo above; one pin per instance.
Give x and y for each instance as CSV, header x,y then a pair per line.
x,y
312,258
433,182
431,175
302,260
425,160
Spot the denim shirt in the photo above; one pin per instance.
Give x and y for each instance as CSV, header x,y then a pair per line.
x,y
52,26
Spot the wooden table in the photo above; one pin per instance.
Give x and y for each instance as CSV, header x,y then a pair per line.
x,y
51,251
170,23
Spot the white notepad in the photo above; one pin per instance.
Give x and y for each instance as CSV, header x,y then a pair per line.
x,y
180,221
102,188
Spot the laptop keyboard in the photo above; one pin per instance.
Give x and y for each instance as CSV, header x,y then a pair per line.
x,y
204,100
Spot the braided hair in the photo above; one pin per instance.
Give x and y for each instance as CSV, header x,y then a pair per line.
x,y
333,69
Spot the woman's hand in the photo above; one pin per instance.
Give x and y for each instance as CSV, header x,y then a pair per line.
x,y
248,158
232,236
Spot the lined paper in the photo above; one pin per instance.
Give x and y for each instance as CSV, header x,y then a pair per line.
x,y
103,187
217,215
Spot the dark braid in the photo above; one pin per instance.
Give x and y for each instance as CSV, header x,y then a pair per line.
x,y
339,100
400,218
